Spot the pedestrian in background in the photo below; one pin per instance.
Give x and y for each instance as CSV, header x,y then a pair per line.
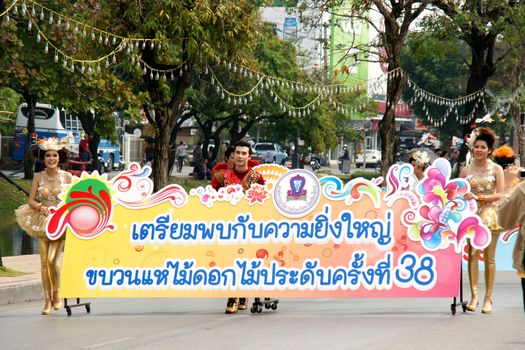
x,y
181,155
83,148
32,217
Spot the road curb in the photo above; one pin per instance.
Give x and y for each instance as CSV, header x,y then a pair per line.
x,y
21,292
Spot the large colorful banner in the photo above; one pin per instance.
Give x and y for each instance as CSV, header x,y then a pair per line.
x,y
296,236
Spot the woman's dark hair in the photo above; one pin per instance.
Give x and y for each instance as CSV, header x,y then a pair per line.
x,y
63,154
488,135
228,152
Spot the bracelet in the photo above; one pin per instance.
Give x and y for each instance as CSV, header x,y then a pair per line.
x,y
481,199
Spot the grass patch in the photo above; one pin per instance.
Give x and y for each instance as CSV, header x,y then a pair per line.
x,y
7,272
11,197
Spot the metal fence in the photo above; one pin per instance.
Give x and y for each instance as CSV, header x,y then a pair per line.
x,y
7,144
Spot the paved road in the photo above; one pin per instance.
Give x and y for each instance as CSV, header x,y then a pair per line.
x,y
297,324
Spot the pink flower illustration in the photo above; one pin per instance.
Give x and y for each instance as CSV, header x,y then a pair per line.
x,y
257,194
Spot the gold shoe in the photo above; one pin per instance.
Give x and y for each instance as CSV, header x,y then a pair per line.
x,y
474,302
232,306
47,310
243,303
57,305
487,307
56,301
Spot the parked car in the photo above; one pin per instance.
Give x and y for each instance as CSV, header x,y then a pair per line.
x,y
373,158
271,152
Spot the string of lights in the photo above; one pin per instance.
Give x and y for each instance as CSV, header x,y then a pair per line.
x,y
36,12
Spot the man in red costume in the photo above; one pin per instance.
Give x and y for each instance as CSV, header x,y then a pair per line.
x,y
241,172
237,170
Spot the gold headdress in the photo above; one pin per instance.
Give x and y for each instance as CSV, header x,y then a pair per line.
x,y
52,143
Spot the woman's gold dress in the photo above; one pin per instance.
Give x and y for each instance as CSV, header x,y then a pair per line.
x,y
483,182
31,220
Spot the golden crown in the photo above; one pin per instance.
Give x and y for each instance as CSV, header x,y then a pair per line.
x,y
52,143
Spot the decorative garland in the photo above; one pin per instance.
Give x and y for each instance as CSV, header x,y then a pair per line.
x,y
271,84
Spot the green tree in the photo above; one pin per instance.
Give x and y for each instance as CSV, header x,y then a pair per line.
x,y
482,25
9,101
28,70
190,35
439,65
397,16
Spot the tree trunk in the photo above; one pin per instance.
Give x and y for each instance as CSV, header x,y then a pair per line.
x,y
162,147
387,126
28,160
481,69
93,149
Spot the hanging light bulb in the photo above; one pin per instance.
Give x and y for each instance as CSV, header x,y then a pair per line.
x,y
42,16
24,8
152,45
180,72
76,28
172,76
64,63
50,18
33,12
93,36
46,48
38,37
15,9
157,76
29,25
206,69
145,71
143,45
114,59
84,33
7,19
90,70
59,21
100,39
72,66
151,75
114,41
106,40
98,68
222,95
107,62
83,68
68,25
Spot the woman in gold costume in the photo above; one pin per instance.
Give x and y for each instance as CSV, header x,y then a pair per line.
x,y
32,217
487,183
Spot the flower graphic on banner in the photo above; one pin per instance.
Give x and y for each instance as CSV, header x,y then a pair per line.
x,y
208,195
86,208
446,217
257,194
